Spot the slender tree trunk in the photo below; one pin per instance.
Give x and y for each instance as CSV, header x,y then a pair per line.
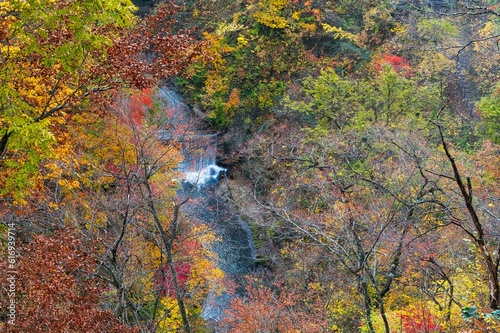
x,y
382,313
367,302
479,236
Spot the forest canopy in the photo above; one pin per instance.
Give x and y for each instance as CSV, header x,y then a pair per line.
x,y
352,182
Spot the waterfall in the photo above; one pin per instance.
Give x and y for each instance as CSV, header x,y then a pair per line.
x,y
234,246
172,100
198,166
199,152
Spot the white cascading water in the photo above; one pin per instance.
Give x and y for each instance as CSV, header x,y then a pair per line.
x,y
199,167
205,176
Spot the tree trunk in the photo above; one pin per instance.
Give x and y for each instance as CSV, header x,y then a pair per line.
x,y
382,314
367,302
479,236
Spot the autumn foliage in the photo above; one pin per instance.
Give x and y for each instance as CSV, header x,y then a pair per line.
x,y
59,56
360,139
57,289
418,319
274,309
165,283
151,50
399,64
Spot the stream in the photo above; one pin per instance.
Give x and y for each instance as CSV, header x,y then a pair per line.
x,y
234,246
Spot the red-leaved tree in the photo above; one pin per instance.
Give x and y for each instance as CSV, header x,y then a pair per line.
x,y
55,290
275,309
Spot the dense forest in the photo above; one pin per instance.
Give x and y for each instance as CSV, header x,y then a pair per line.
x,y
354,143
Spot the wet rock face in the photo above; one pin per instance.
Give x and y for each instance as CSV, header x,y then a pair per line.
x,y
234,246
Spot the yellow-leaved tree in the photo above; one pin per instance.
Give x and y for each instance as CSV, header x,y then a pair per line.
x,y
50,55
59,58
